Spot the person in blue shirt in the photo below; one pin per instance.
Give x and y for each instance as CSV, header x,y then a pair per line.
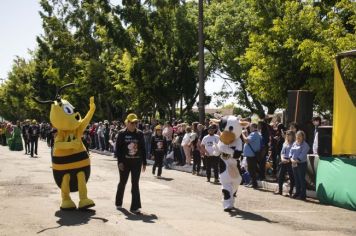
x,y
298,155
251,148
285,164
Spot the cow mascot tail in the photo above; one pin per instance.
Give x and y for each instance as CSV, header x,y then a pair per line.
x,y
230,177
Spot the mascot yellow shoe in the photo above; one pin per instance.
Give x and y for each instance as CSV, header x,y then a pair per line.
x,y
70,160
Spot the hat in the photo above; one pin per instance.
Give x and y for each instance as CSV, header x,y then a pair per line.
x,y
131,118
158,127
34,122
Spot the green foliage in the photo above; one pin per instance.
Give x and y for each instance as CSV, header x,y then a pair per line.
x,y
142,55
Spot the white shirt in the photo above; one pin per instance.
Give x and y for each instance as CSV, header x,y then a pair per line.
x,y
186,139
209,141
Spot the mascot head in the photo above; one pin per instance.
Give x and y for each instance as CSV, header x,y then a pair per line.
x,y
230,127
63,115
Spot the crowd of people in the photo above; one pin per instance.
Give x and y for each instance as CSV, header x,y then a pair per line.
x,y
12,134
265,147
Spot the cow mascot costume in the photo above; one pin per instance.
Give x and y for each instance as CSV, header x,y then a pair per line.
x,y
230,178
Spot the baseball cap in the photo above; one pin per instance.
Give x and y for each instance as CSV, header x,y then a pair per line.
x,y
131,118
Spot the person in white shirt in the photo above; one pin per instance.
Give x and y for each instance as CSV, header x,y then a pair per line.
x,y
168,134
208,146
185,145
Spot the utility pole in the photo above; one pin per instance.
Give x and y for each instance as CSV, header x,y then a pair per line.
x,y
201,65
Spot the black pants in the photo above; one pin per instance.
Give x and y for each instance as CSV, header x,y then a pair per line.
x,y
274,154
27,145
133,166
3,140
212,162
196,161
262,163
169,145
178,155
34,144
158,163
286,168
252,167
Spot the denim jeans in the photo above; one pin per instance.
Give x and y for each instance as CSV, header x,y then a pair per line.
x,y
299,178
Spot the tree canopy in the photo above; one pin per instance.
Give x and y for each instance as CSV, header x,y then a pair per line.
x,y
143,55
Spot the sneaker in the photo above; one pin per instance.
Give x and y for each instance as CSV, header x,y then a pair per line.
x,y
278,193
228,209
136,211
216,181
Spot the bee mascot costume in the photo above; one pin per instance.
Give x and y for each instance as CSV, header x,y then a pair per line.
x,y
230,178
70,160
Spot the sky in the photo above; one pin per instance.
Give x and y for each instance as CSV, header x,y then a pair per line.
x,y
20,23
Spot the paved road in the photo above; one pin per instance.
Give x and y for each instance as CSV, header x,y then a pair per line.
x,y
179,204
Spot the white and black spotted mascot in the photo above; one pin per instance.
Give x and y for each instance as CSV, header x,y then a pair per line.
x,y
230,178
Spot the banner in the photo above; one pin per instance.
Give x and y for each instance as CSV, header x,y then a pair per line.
x,y
344,123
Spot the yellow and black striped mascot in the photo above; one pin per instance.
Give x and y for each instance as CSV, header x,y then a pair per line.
x,y
70,160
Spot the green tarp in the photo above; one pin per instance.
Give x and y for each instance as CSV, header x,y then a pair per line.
x,y
336,182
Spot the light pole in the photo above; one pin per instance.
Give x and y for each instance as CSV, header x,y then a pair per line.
x,y
201,65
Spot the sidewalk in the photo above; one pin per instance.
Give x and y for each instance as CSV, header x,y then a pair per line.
x,y
188,169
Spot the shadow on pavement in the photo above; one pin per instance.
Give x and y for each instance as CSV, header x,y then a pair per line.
x,y
249,216
165,178
147,218
73,218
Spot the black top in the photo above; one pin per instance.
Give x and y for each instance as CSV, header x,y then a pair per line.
x,y
34,131
25,131
158,145
130,145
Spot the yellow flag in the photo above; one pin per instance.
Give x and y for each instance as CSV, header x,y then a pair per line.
x,y
344,124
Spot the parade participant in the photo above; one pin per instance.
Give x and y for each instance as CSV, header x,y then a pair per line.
x,y
298,155
159,149
34,132
15,142
70,160
285,164
26,136
212,160
230,177
131,158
